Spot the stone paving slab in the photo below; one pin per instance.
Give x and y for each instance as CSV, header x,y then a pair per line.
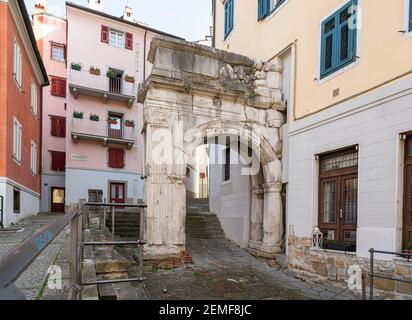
x,y
222,270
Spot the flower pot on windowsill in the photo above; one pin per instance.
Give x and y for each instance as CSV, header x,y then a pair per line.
x,y
94,117
77,115
110,74
129,123
76,66
111,121
129,79
95,72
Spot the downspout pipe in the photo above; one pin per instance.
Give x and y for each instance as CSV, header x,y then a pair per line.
x,y
214,23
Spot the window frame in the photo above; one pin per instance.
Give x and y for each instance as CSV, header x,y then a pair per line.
x,y
60,46
18,192
17,140
407,186
338,176
117,34
227,169
229,13
353,45
33,157
33,97
61,160
17,64
267,7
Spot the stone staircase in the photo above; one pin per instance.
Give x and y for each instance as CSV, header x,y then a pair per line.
x,y
200,222
126,223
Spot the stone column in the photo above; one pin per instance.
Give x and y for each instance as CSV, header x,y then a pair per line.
x,y
166,199
272,219
256,215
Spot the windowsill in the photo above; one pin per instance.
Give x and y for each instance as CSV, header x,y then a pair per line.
x,y
407,34
333,251
18,162
227,37
34,114
223,183
60,61
17,83
274,11
338,72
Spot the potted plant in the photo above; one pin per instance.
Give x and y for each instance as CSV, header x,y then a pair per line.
x,y
76,66
111,74
129,79
94,71
129,123
112,120
408,250
93,117
78,114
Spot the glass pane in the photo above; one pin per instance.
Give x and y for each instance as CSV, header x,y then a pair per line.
x,y
339,162
350,236
350,201
121,192
410,197
329,202
113,192
58,196
409,147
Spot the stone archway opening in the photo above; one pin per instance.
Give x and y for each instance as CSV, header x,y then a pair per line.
x,y
193,95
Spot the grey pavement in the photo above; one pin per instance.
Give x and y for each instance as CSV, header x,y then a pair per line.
x,y
34,280
222,270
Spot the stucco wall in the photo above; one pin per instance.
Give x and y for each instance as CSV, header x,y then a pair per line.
x,y
230,200
374,122
298,21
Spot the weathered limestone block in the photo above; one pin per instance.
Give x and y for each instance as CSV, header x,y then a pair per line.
x,y
256,217
275,65
260,75
274,118
258,65
274,80
272,219
260,83
252,115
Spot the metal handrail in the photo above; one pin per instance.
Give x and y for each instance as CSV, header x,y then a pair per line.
x,y
372,274
1,212
20,257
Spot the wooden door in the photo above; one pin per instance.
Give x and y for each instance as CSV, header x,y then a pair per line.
x,y
117,192
407,207
57,200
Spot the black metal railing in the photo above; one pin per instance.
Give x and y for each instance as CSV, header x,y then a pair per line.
x,y
20,258
1,212
373,275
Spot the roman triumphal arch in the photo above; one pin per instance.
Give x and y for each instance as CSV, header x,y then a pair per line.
x,y
193,94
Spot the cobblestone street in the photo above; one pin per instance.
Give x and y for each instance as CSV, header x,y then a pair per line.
x,y
33,281
222,270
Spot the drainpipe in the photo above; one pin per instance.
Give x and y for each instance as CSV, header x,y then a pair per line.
x,y
144,56
1,212
214,23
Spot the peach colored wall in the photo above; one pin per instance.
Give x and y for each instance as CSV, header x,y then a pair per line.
x,y
384,52
85,28
48,28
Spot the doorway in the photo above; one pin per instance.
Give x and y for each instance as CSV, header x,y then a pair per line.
x,y
117,192
58,200
115,81
115,125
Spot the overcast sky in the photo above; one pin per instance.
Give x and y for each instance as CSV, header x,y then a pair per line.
x,y
189,19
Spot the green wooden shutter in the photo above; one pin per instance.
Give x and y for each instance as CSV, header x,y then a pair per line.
x,y
410,15
327,50
229,10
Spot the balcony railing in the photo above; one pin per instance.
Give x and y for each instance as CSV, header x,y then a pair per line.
x,y
117,89
85,129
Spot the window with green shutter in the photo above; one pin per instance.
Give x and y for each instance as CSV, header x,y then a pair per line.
x,y
228,17
266,7
338,47
410,15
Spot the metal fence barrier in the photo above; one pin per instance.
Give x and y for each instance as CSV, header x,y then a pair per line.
x,y
373,275
1,212
20,258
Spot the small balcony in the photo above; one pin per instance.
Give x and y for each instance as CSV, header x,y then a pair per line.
x,y
101,86
102,131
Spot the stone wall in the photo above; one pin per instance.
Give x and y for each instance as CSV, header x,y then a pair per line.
x,y
320,265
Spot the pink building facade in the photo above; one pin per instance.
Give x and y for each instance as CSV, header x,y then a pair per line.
x,y
50,32
106,61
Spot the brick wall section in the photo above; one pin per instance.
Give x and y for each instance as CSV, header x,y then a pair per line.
x,y
16,103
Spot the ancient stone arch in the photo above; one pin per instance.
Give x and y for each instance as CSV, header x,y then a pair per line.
x,y
193,94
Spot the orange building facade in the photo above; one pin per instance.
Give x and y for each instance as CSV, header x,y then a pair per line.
x,y
22,76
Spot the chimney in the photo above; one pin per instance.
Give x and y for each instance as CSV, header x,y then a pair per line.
x,y
40,6
128,14
96,4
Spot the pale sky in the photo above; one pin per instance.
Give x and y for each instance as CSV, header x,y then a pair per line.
x,y
189,19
